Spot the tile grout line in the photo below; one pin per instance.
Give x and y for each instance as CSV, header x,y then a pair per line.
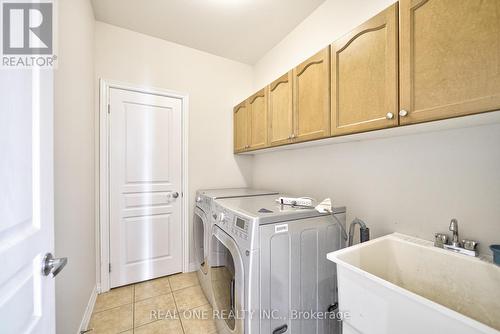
x,y
177,309
133,312
112,308
135,301
155,296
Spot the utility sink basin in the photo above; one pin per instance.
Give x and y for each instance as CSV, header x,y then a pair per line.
x,y
401,284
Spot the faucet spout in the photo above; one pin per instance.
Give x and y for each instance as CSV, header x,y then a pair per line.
x,y
454,229
364,231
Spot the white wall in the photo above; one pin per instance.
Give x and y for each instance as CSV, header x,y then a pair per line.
x,y
411,184
74,162
327,23
214,85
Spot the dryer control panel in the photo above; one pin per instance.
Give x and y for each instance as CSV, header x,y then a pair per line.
x,y
232,224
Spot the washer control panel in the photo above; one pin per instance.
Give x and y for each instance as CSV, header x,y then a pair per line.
x,y
241,227
231,223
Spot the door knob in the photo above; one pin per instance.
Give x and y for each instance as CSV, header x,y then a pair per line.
x,y
175,194
389,115
53,265
403,113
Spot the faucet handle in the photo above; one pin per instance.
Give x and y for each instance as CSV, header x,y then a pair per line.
x,y
470,244
454,225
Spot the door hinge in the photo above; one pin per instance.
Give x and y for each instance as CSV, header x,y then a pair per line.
x,y
109,108
110,267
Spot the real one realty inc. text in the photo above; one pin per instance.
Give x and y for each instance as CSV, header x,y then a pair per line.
x,y
243,314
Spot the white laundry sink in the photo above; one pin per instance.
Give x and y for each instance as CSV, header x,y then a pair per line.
x,y
400,284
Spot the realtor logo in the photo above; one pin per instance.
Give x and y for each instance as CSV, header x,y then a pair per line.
x,y
27,34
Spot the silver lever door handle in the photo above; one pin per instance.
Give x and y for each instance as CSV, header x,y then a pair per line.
x,y
175,194
52,265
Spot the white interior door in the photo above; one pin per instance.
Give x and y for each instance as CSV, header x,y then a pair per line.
x,y
145,175
27,300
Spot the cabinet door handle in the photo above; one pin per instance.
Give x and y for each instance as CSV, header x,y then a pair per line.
x,y
403,113
389,115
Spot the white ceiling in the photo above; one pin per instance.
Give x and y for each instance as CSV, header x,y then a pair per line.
x,y
242,30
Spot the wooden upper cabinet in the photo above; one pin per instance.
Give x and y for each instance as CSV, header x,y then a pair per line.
x,y
365,76
280,110
311,97
257,113
240,127
450,58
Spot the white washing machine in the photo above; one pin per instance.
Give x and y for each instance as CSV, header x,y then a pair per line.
x,y
269,271
202,226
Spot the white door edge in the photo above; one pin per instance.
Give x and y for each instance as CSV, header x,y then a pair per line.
x,y
84,324
102,167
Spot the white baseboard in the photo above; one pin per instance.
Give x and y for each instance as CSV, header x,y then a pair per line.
x,y
88,311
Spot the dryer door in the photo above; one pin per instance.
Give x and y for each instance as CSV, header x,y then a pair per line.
x,y
227,281
201,226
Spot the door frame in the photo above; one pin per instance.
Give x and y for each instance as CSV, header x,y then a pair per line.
x,y
102,171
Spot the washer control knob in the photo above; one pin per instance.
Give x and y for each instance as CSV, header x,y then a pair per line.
x,y
198,199
221,216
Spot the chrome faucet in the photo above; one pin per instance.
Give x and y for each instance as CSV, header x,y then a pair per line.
x,y
364,231
454,229
466,247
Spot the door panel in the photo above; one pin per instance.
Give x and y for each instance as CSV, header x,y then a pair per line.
x,y
450,56
241,127
365,76
257,110
311,94
154,229
281,110
145,172
144,125
27,300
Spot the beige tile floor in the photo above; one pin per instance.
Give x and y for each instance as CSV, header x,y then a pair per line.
x,y
131,309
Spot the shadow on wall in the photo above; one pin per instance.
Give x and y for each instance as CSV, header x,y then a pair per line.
x,y
410,184
245,165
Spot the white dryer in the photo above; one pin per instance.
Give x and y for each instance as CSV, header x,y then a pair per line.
x,y
269,271
202,226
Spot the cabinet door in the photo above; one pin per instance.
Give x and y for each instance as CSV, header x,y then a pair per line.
x,y
257,112
280,110
241,127
365,76
450,58
311,96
